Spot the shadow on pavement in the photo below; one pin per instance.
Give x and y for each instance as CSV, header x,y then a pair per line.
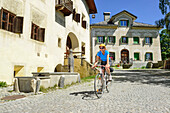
x,y
157,78
86,95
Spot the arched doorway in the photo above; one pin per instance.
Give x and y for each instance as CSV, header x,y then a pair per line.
x,y
69,43
125,56
72,43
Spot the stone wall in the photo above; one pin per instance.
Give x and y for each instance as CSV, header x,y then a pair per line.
x,y
84,70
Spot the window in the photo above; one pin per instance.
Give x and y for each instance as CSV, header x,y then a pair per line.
x,y
60,19
135,40
10,22
123,23
112,55
111,39
124,40
100,39
84,23
37,33
59,42
76,16
148,57
136,56
148,40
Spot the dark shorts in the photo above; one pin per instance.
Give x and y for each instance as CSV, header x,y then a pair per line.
x,y
105,62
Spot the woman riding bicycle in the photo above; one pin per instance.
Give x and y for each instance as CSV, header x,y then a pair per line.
x,y
103,55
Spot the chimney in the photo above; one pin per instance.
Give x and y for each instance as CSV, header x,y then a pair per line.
x,y
106,15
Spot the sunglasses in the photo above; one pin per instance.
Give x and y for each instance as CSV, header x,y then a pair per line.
x,y
101,47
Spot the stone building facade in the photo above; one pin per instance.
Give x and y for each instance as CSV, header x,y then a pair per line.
x,y
34,34
126,40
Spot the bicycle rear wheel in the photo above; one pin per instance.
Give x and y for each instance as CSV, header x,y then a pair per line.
x,y
98,85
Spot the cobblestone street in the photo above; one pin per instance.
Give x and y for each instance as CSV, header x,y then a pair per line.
x,y
126,96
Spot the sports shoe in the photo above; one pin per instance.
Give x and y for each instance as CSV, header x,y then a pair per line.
x,y
110,78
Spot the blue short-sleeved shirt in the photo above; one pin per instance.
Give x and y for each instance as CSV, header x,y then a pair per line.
x,y
103,57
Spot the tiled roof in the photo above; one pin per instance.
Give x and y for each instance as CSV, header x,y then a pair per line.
x,y
135,24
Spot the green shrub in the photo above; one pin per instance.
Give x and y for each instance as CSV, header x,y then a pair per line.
x,y
3,84
143,67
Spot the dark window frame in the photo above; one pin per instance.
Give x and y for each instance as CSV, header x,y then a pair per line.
x,y
113,41
150,55
124,23
112,56
9,23
138,56
37,33
148,40
135,40
126,38
102,39
13,23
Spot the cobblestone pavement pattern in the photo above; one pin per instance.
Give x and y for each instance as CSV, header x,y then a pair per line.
x,y
125,97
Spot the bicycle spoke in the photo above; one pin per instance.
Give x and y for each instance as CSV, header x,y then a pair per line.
x,y
98,87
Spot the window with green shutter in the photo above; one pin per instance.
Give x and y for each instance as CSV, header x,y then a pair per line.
x,y
148,57
148,40
136,40
111,39
101,39
124,40
136,56
124,23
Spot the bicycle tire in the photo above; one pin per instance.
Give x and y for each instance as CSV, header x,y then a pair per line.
x,y
108,84
98,85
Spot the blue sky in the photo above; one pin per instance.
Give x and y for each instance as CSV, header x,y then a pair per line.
x,y
147,11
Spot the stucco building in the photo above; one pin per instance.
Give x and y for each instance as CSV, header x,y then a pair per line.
x,y
126,40
34,34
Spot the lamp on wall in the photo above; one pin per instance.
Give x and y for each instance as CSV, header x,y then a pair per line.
x,y
93,16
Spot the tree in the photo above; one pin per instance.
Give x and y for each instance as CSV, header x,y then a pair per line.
x,y
165,44
164,6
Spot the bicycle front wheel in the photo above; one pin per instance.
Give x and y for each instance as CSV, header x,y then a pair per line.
x,y
98,85
108,84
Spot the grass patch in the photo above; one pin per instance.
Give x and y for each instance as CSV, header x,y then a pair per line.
x,y
66,86
46,90
88,79
3,84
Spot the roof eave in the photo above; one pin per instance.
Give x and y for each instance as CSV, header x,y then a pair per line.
x,y
92,6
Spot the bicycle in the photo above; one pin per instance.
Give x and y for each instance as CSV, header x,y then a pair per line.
x,y
101,82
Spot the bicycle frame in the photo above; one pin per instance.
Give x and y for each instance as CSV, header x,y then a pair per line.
x,y
101,71
103,78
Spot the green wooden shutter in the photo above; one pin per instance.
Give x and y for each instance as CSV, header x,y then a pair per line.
x,y
108,39
136,56
127,39
127,23
114,56
151,40
97,39
114,39
103,39
151,56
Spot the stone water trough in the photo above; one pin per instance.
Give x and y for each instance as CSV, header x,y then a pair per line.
x,y
45,79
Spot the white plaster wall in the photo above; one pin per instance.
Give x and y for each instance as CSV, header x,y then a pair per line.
x,y
20,49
